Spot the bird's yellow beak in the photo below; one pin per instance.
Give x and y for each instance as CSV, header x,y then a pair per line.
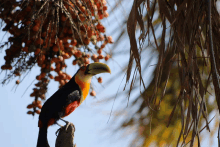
x,y
97,68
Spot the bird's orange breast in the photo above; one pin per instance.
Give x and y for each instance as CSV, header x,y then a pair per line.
x,y
84,86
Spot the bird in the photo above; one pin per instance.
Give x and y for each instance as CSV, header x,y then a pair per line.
x,y
66,99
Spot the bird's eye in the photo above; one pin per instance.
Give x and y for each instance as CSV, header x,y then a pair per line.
x,y
83,68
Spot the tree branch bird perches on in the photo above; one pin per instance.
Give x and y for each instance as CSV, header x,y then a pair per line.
x,y
65,100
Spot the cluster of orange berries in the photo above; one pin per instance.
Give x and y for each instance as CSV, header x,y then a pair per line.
x,y
48,33
36,105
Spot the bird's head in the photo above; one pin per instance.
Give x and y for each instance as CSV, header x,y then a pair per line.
x,y
85,73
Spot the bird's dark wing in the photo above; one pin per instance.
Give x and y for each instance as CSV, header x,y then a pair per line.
x,y
54,106
73,96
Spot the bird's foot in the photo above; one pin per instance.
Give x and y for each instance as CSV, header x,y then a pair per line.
x,y
59,124
57,132
67,124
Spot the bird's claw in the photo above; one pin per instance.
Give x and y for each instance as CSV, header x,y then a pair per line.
x,y
67,124
57,131
59,124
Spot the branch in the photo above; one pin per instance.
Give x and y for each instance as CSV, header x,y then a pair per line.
x,y
65,137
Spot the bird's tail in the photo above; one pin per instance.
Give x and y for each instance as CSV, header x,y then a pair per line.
x,y
42,137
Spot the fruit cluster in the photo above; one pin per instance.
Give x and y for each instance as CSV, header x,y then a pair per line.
x,y
47,33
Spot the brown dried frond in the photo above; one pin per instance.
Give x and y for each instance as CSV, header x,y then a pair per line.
x,y
185,36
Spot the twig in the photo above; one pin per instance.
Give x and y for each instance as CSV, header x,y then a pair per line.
x,y
215,74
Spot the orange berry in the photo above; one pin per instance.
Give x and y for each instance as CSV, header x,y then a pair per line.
x,y
62,82
99,26
17,82
87,55
107,57
17,73
37,111
30,112
86,41
39,106
35,28
83,9
74,62
73,51
93,93
44,34
51,68
28,42
96,60
30,106
69,77
45,45
100,79
101,57
64,65
35,89
55,48
74,42
94,56
32,94
102,30
104,2
60,73
38,50
58,65
35,103
63,76
43,66
66,45
39,62
86,61
90,33
3,67
54,59
37,21
25,49
27,22
57,78
51,76
39,41
63,18
42,97
110,40
70,31
65,40
105,14
37,85
105,8
101,16
38,78
103,46
38,102
78,54
60,59
9,67
81,17
41,57
99,51
43,74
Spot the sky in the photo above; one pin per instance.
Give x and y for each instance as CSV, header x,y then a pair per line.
x,y
90,119
17,129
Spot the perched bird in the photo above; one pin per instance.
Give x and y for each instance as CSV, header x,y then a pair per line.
x,y
65,100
